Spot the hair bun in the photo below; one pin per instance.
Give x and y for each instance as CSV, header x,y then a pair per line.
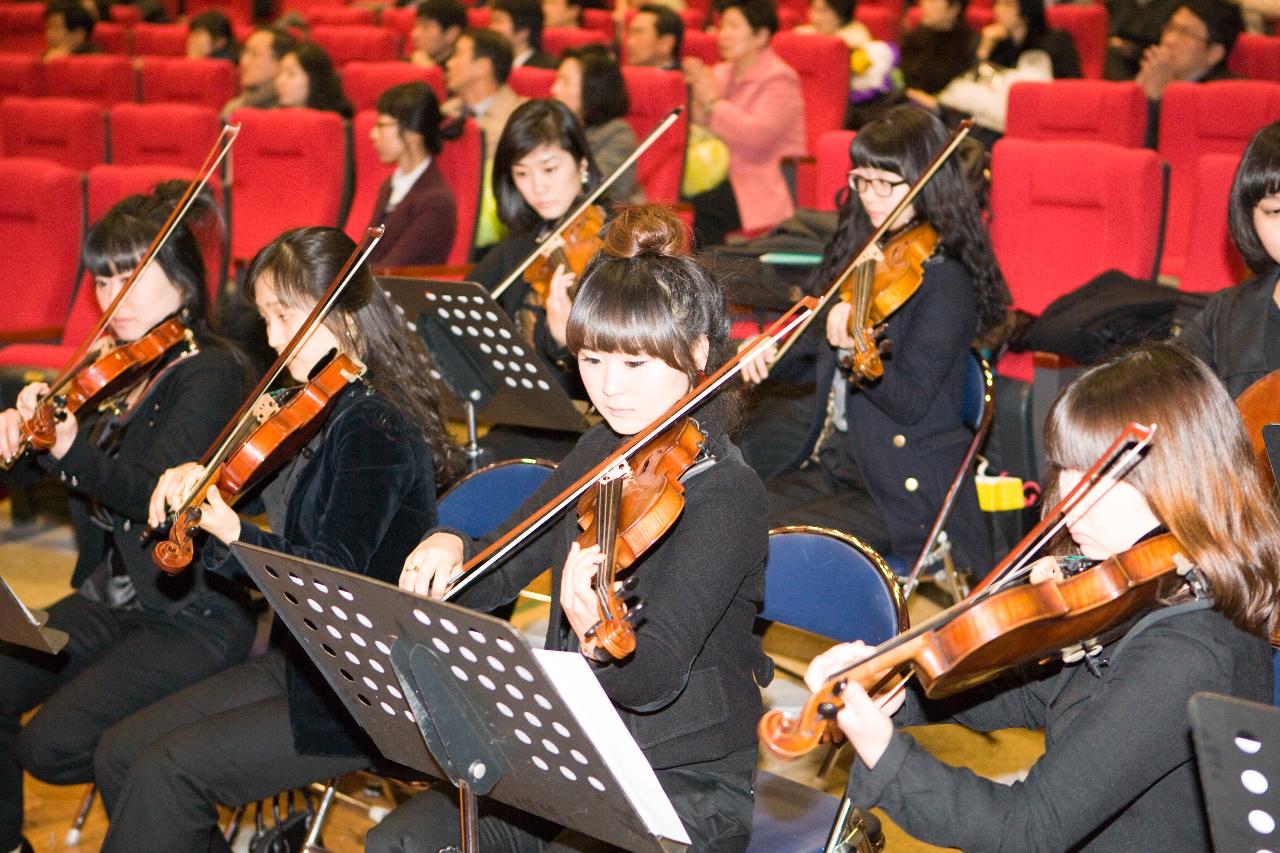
x,y
647,229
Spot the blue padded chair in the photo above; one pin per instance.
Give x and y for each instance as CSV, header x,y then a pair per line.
x,y
827,583
480,501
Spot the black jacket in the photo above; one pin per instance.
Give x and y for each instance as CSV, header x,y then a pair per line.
x,y
1229,334
175,422
358,498
689,692
1056,43
1118,771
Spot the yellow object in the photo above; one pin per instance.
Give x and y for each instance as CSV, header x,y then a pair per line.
x,y
489,228
859,61
706,162
1000,492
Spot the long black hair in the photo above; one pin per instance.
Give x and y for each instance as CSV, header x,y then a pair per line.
x,y
324,86
415,109
904,141
301,263
1257,177
532,125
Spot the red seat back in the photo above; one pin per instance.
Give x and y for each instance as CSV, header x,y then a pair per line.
x,y
64,130
160,40
238,11
478,17
1205,118
124,14
162,134
1255,57
1062,212
288,169
399,19
342,16
106,80
20,75
532,82
22,28
42,220
823,65
462,166
556,40
975,16
882,22
600,20
113,38
1086,23
1086,110
1215,263
207,82
831,171
654,93
349,43
700,44
364,82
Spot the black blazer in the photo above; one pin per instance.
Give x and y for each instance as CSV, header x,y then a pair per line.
x,y
1229,333
358,498
420,230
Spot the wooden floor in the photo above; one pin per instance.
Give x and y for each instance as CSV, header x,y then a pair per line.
x,y
36,560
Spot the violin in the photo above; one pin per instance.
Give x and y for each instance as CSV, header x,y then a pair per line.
x,y
627,512
111,374
1259,405
1000,625
108,376
573,249
880,286
263,435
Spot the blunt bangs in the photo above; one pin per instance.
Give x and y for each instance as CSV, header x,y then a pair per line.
x,y
116,244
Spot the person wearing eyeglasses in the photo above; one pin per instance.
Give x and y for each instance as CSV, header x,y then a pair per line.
x,y
879,457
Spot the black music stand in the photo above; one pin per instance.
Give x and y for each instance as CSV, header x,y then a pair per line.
x,y
23,626
1238,750
460,695
481,357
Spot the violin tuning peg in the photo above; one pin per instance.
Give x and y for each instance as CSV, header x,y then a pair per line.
x,y
630,583
591,632
634,611
885,346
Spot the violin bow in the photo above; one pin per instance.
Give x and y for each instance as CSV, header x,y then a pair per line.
x,y
572,216
486,559
878,234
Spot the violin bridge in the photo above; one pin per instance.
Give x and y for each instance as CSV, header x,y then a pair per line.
x,y
618,470
360,370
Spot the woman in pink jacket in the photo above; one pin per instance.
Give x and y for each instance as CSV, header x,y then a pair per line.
x,y
752,101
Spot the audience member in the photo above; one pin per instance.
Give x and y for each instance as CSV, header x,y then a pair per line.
x,y
871,62
436,30
1193,48
1133,26
520,21
68,27
210,37
307,79
937,51
259,65
1020,26
752,101
589,82
654,36
561,13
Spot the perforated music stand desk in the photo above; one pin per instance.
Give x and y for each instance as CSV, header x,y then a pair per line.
x,y
460,695
481,356
23,626
1238,750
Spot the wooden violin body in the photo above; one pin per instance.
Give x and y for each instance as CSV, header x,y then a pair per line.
x,y
574,249
1259,405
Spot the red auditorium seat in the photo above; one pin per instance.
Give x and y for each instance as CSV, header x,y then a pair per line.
x,y
365,81
22,28
105,80
1215,263
532,82
42,211
796,11
1255,57
478,17
1086,23
288,169
556,40
461,163
893,6
1062,212
238,11
206,82
1085,110
1203,118
700,44
831,170
64,130
653,94
881,22
113,38
162,134
823,65
159,40
341,16
399,19
370,174
368,44
20,75
600,20
975,16
124,14
702,8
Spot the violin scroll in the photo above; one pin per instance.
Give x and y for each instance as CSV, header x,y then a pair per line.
x,y
174,554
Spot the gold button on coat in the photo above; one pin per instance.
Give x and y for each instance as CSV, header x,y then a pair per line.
x,y
911,484
899,440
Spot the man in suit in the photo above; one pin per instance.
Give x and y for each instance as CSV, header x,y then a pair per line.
x,y
521,22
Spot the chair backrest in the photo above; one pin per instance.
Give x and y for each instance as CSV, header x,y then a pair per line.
x,y
823,65
169,134
67,131
341,16
238,11
103,79
1086,110
831,173
1062,212
480,501
364,82
883,23
20,75
532,82
653,94
1086,23
600,20
111,37
975,16
399,19
556,40
41,211
207,82
462,166
831,584
159,40
129,16
1204,118
350,43
1215,263
1255,57
478,17
22,28
700,44
288,169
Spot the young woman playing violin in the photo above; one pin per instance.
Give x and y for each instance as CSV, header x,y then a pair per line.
x,y
1118,771
887,453
124,612
358,497
647,321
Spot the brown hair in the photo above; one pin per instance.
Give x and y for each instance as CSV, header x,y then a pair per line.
x,y
1199,474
